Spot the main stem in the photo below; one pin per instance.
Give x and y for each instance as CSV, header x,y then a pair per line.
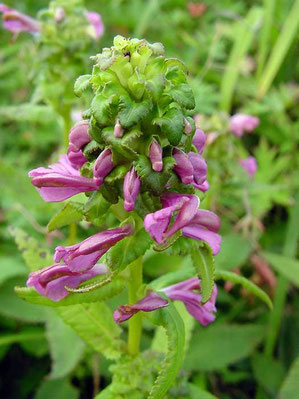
x,y
135,323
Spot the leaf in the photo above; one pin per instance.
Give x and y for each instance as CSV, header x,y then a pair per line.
x,y
219,345
125,145
128,250
58,389
105,292
32,113
33,335
11,267
234,252
196,392
81,84
183,95
101,109
72,212
35,256
290,386
172,278
287,267
203,263
247,284
96,208
170,320
94,324
66,348
268,372
172,124
132,112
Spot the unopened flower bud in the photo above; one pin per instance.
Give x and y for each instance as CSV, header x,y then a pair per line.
x,y
155,155
118,129
59,14
188,127
183,166
131,189
102,166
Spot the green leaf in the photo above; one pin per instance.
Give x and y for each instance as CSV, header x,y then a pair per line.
x,y
32,113
128,250
170,320
101,109
105,292
11,267
172,124
155,86
125,146
172,278
287,267
81,84
66,348
183,95
96,208
72,212
58,389
198,393
33,335
268,372
218,345
35,256
94,324
247,284
235,250
203,263
290,386
132,112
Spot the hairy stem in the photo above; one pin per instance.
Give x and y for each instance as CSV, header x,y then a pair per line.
x,y
135,323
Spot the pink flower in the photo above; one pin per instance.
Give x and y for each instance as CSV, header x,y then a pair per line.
x,y
183,166
78,138
131,189
194,223
17,22
103,166
187,127
240,123
118,129
155,156
61,181
85,254
249,165
151,302
96,23
52,280
199,140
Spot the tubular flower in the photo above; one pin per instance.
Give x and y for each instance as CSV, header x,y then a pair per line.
x,y
200,169
131,189
241,123
78,138
52,280
188,292
16,22
249,165
61,181
183,166
96,24
155,156
102,166
194,223
199,140
151,302
84,255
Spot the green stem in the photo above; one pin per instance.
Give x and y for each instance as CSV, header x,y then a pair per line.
x,y
135,323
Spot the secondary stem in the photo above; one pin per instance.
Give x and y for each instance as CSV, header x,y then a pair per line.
x,y
135,323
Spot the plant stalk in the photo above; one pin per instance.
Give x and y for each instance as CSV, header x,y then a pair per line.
x,y
135,323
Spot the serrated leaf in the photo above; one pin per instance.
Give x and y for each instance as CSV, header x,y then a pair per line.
x,y
247,284
286,266
94,324
72,212
132,112
203,263
183,95
290,386
81,84
101,109
105,292
66,348
35,255
128,250
125,145
172,124
96,208
154,181
155,86
170,320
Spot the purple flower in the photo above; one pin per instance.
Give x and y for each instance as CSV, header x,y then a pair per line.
x,y
199,140
240,123
155,156
183,166
78,138
85,254
194,223
249,165
187,127
61,181
118,129
103,166
188,292
131,189
96,23
151,302
52,280
17,22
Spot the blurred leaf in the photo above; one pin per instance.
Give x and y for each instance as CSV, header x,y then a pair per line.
x,y
198,393
32,113
203,263
66,348
58,389
290,386
95,325
33,335
287,267
72,212
268,372
11,267
234,252
217,346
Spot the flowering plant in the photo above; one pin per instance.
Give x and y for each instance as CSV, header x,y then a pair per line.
x,y
137,157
